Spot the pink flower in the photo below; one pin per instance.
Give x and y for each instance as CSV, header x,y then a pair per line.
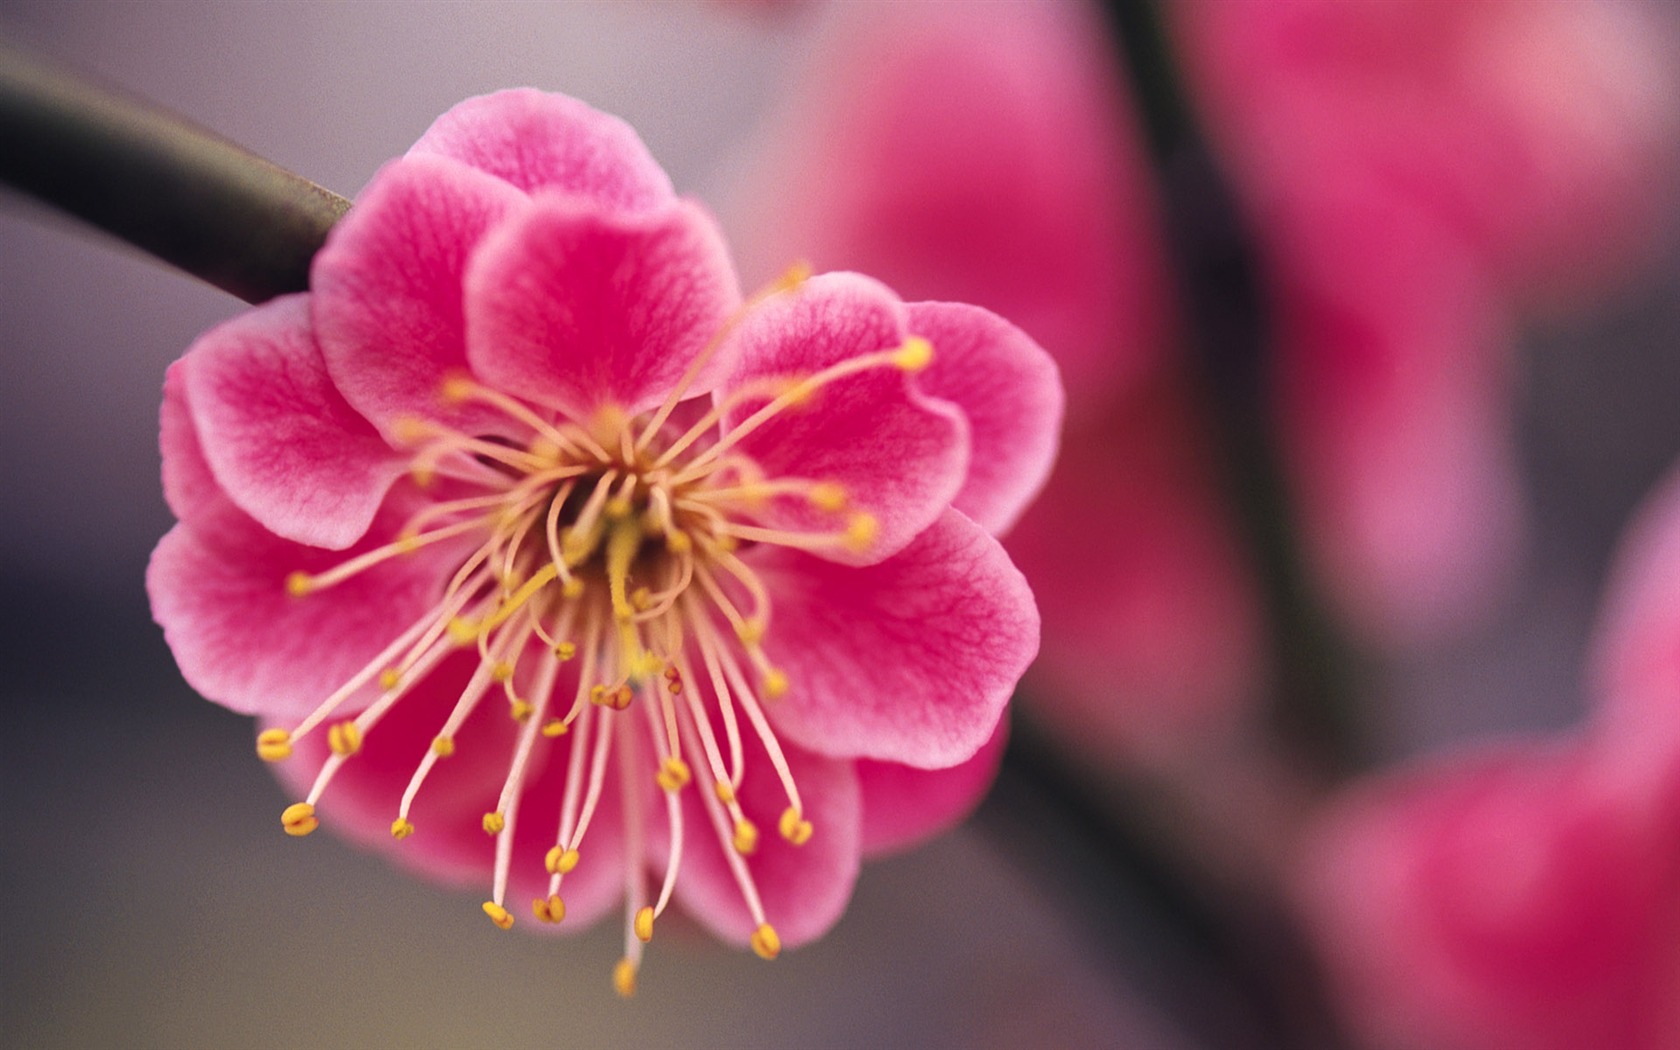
x,y
1526,895
525,536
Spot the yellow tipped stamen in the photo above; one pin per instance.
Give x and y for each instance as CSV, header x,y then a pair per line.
x,y
401,829
915,355
794,827
725,791
644,924
751,631
673,774
274,745
462,631
624,978
565,651
572,588
746,837
345,738
456,389
765,942
299,584
555,727
443,746
827,495
495,822
549,909
520,710
775,684
861,532
501,672
560,860
390,678
299,819
499,915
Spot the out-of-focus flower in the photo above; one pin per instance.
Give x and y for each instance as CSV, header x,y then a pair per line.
x,y
540,546
1526,895
1402,215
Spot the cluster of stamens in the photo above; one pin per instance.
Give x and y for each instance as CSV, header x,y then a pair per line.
x,y
613,544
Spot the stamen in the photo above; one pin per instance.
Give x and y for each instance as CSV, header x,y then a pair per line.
x,y
274,745
299,819
498,915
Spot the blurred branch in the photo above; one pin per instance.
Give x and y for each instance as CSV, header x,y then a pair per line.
x,y
168,187
1229,330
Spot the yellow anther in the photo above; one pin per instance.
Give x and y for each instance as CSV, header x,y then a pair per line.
x,y
543,448
389,679
555,727
765,942
621,698
827,495
463,631
678,542
423,476
640,599
401,829
456,388
409,430
624,978
861,531
674,687
644,925
746,837
792,277
572,588
494,823
725,791
565,650
751,631
673,774
775,684
501,672
549,909
915,355
299,819
794,827
345,738
498,915
520,710
443,746
273,745
407,543
299,584
560,860
618,507
598,695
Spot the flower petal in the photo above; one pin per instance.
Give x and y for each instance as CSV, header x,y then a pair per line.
x,y
1010,392
537,140
804,888
449,842
910,660
283,443
903,806
578,308
189,487
898,454
387,298
243,641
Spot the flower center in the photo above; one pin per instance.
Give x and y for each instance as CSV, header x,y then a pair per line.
x,y
621,546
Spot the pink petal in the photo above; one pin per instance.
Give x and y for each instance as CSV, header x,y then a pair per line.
x,y
899,454
910,660
218,589
188,486
1010,392
579,308
387,301
1499,899
804,888
538,140
449,842
282,442
903,806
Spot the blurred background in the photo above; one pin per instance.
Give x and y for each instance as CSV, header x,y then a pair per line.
x,y
151,901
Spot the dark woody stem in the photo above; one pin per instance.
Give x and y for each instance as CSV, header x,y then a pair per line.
x,y
168,187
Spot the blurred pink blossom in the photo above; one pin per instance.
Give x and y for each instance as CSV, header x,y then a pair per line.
x,y
1415,174
1526,895
517,528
